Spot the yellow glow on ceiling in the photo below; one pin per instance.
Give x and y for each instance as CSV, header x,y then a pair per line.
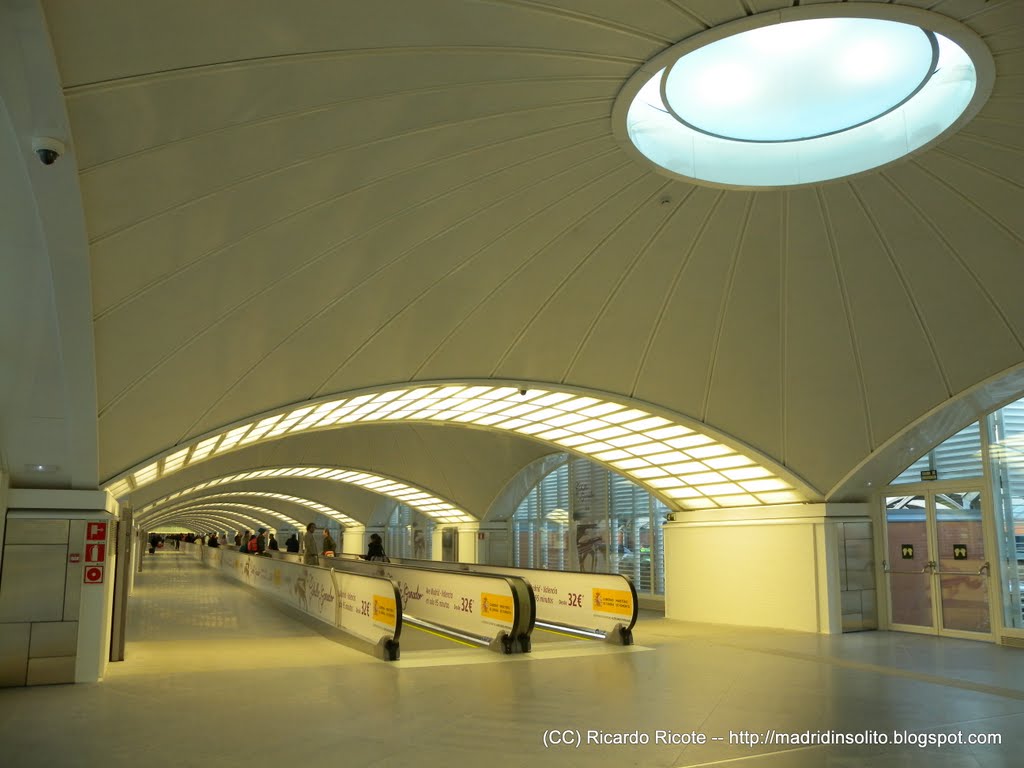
x,y
159,504
665,457
248,512
410,495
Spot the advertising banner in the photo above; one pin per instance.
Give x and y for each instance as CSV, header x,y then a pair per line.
x,y
592,601
364,606
479,605
368,608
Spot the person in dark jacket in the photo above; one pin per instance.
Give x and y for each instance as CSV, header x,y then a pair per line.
x,y
328,545
375,550
272,544
292,543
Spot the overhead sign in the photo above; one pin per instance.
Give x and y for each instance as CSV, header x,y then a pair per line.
x,y
908,551
92,574
959,551
96,531
929,474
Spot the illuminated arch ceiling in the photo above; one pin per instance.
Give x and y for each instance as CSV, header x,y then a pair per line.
x,y
237,519
685,467
161,505
441,510
435,193
266,517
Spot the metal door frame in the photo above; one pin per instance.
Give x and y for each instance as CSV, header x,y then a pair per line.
x,y
929,490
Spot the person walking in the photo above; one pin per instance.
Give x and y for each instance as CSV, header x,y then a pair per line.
x,y
329,547
309,546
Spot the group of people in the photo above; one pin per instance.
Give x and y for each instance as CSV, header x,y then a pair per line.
x,y
259,543
312,549
256,543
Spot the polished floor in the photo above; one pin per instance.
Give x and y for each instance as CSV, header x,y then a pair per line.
x,y
217,675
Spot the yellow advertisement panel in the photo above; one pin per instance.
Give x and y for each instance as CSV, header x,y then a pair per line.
x,y
384,610
496,607
613,601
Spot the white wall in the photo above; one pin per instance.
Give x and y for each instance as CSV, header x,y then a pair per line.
x,y
760,567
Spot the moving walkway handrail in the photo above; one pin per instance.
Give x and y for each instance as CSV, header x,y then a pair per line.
x,y
507,605
367,606
567,614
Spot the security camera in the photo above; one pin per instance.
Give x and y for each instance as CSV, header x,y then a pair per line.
x,y
522,391
47,149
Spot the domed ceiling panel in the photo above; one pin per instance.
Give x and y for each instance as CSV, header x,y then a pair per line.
x,y
642,292
332,196
752,309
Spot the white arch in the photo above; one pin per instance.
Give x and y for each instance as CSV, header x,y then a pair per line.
x,y
307,503
247,521
434,506
219,521
681,461
223,507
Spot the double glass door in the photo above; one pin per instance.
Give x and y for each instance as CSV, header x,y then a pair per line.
x,y
936,564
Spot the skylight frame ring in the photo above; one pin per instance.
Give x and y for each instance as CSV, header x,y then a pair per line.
x,y
667,72
967,39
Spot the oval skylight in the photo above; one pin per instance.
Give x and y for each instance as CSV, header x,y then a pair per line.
x,y
799,101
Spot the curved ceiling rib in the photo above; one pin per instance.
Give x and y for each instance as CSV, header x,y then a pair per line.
x,y
248,521
307,503
162,514
683,465
220,521
430,504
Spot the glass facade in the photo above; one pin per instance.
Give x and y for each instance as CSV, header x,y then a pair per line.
x,y
409,534
957,458
581,516
1006,449
961,457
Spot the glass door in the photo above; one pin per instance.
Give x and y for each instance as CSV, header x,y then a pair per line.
x,y
936,564
908,563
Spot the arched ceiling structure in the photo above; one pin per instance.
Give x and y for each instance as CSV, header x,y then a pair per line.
x,y
286,201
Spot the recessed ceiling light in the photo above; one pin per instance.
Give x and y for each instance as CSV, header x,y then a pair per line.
x,y
45,468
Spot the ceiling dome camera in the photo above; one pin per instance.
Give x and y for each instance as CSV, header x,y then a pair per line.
x,y
47,149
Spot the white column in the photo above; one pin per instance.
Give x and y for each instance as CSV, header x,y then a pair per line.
x,y
354,540
469,542
437,543
776,566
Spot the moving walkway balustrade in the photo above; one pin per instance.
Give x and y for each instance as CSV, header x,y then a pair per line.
x,y
494,611
581,604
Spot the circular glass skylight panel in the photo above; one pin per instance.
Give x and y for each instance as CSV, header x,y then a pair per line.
x,y
803,100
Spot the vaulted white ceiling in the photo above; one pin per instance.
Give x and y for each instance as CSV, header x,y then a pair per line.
x,y
289,200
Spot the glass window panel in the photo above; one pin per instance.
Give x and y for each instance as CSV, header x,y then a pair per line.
x,y
956,458
1006,428
617,524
